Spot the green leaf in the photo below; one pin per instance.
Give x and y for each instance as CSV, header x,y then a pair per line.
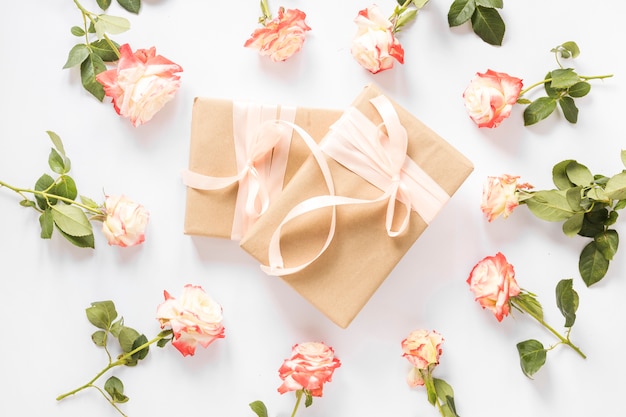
x,y
132,6
532,356
77,55
71,220
91,67
46,223
104,4
497,4
549,205
66,187
162,342
101,314
446,395
613,215
488,25
594,222
572,48
429,384
259,408
564,78
539,110
141,340
528,303
113,25
405,18
559,175
77,31
103,49
592,264
574,198
56,162
127,337
88,202
551,92
115,389
615,188
308,398
57,142
99,338
80,241
567,301
623,156
580,89
117,327
620,205
570,111
27,203
578,174
460,12
45,183
607,243
574,224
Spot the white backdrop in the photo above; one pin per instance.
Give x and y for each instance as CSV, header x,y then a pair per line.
x,y
45,346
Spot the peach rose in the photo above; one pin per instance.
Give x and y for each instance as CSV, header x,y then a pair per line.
x,y
422,348
490,97
492,281
500,196
141,84
311,365
195,318
125,221
281,37
374,45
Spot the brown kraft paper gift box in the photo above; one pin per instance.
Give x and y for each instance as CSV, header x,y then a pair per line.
x,y
212,153
361,254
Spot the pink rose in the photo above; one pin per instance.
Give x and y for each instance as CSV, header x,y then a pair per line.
x,y
281,37
194,318
500,196
125,221
311,365
141,84
374,45
490,97
492,281
422,349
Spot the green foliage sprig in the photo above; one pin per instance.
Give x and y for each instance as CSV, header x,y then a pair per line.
x,y
588,206
561,85
484,17
55,201
532,352
405,12
133,346
98,47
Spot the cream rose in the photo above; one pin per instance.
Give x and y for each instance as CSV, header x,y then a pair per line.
x,y
422,348
141,84
490,96
310,366
281,37
374,45
125,221
500,196
492,281
195,318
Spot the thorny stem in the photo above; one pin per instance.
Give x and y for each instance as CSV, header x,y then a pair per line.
x,y
120,361
88,15
48,196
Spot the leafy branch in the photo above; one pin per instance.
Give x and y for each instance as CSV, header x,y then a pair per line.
x,y
483,16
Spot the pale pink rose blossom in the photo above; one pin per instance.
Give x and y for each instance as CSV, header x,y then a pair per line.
x,y
374,45
500,196
310,366
281,37
422,348
125,221
195,318
141,84
490,96
492,281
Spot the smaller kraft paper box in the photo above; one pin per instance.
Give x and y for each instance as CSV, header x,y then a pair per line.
x,y
241,156
357,205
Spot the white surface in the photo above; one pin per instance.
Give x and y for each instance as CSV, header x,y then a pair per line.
x,y
45,346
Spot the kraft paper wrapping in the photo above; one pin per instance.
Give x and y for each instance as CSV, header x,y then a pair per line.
x,y
212,152
361,255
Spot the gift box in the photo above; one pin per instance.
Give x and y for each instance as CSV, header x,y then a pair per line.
x,y
334,235
241,156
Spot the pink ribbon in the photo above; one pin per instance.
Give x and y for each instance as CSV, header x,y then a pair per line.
x,y
261,148
381,159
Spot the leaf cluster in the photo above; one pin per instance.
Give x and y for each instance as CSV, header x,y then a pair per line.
x,y
532,352
404,13
588,206
98,48
440,392
484,17
55,198
561,86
